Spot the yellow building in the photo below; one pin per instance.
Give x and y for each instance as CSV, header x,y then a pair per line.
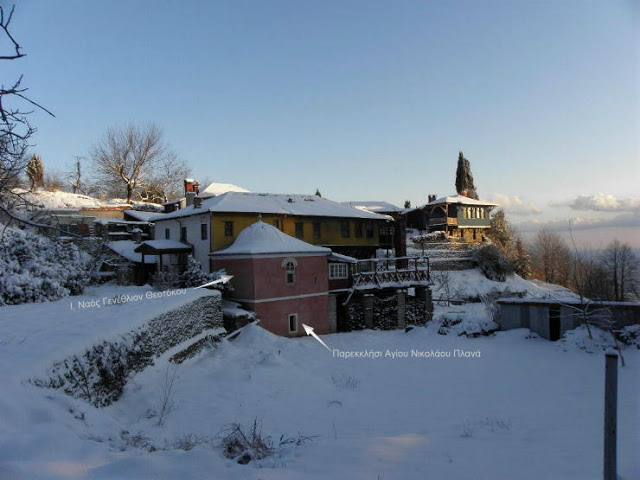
x,y
212,224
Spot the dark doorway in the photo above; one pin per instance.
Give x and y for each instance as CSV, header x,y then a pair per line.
x,y
554,323
341,314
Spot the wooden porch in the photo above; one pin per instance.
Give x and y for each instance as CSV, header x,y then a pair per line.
x,y
401,272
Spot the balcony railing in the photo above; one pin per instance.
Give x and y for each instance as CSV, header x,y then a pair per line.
x,y
443,221
390,272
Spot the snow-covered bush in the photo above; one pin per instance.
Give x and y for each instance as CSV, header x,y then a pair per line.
x,y
244,445
35,268
493,263
471,321
165,280
193,275
630,335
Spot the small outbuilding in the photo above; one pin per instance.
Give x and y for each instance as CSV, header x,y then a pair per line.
x,y
551,318
282,279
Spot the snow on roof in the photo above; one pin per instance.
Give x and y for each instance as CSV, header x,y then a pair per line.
x,y
220,188
105,221
373,206
126,249
262,238
165,245
141,215
461,200
594,305
337,257
247,202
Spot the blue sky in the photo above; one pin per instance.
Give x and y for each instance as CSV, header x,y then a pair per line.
x,y
361,99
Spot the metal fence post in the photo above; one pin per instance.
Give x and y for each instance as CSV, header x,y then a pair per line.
x,y
610,415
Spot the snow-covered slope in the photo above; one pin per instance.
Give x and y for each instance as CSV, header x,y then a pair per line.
x,y
55,200
512,406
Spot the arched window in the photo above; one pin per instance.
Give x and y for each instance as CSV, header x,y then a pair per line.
x,y
289,265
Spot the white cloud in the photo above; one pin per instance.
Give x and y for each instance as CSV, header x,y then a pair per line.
x,y
515,205
583,223
600,202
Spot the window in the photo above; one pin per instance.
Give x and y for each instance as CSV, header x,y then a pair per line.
x,y
228,229
203,231
167,234
316,230
293,322
369,230
358,227
299,230
290,265
276,223
338,270
183,234
344,228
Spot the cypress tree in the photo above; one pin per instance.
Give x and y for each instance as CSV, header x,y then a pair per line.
x,y
464,178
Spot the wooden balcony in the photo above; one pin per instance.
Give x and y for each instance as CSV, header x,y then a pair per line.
x,y
443,221
393,272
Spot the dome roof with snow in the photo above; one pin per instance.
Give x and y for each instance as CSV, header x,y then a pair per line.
x,y
261,238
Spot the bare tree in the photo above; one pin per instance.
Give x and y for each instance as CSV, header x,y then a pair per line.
x,y
74,176
166,182
128,156
551,258
54,181
586,273
621,269
15,129
166,394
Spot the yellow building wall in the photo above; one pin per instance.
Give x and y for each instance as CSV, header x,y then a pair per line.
x,y
330,229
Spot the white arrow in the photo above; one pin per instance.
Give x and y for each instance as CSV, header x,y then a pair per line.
x,y
222,279
310,331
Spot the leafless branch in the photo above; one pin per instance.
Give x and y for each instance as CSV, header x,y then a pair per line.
x,y
4,25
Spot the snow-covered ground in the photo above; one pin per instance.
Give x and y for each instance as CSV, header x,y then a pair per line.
x,y
515,406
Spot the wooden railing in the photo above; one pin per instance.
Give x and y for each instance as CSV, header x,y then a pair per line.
x,y
388,272
443,221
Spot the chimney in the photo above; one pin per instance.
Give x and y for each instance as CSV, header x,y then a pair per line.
x,y
431,198
197,202
196,188
188,185
136,235
463,193
189,196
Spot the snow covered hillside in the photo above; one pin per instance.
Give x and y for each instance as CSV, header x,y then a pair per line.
x,y
509,405
53,200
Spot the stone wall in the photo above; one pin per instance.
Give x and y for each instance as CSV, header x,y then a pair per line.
x,y
100,373
387,309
